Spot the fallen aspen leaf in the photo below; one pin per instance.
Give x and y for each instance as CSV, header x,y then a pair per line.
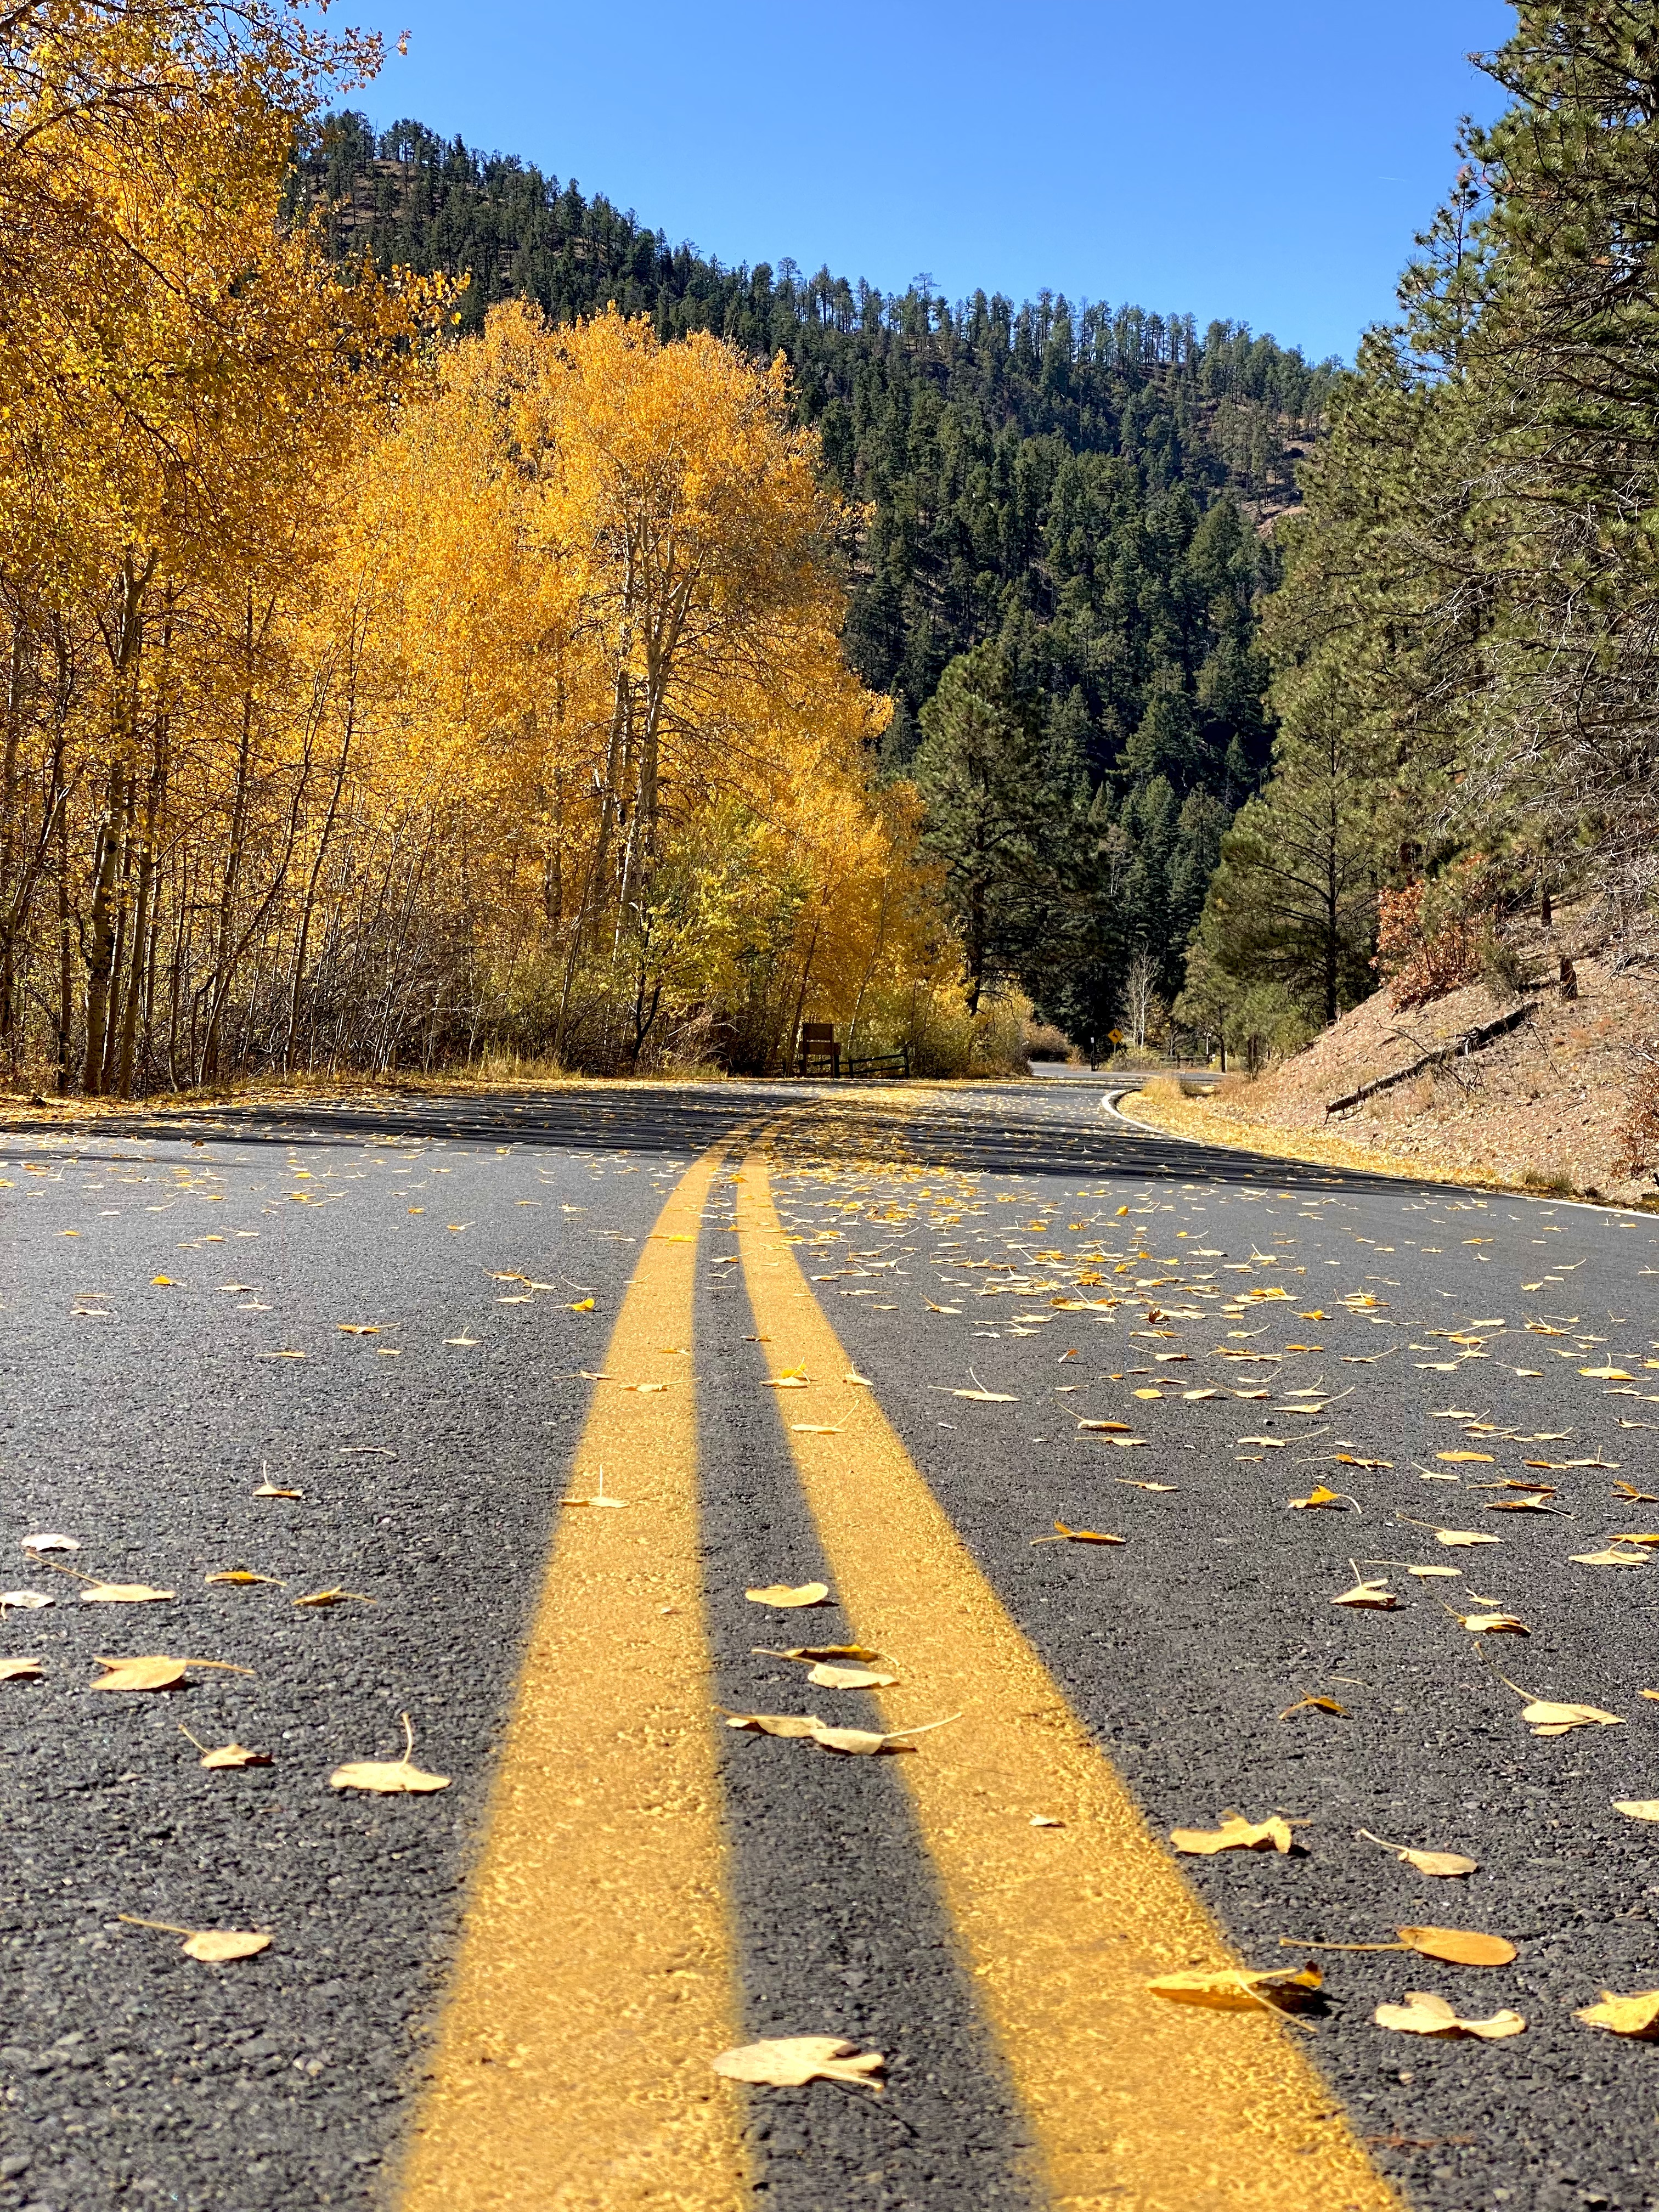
x,y
1234,1835
583,1305
828,1676
1635,1540
336,1597
1046,1821
358,1328
1544,1717
229,1754
271,1490
788,2061
243,1575
151,1673
24,1601
1347,1459
784,1594
1452,1538
388,1776
1442,1864
1459,1946
1424,1573
1065,1536
213,1945
1270,1443
1423,2014
817,1651
1319,1704
1319,1496
1485,1458
52,1544
1368,1597
1130,1482
20,1671
1193,1396
1608,1373
990,1397
123,1593
1609,1558
785,1724
1636,2015
1632,1495
784,1383
1233,1990
1493,1623
1148,1393
815,1428
1636,1808
1106,1428
863,1380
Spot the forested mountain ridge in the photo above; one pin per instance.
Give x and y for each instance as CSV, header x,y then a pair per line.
x,y
1083,487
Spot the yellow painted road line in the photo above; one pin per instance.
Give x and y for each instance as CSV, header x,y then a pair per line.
x,y
1136,2104
596,1977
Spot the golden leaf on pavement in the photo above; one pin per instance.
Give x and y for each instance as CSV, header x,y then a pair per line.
x,y
1318,1705
123,1593
228,1754
1636,1808
50,1543
1610,1557
240,1575
1368,1597
1130,1482
987,1397
20,1671
817,1651
1268,1443
336,1597
358,1328
784,1383
1065,1536
786,1724
1317,1497
1484,1456
1234,1835
1636,2015
829,1676
1544,1717
389,1777
788,2061
212,1945
271,1490
156,1673
583,1305
1493,1623
1444,1864
1608,1374
1425,1573
785,1593
1459,1946
1347,1459
1461,1539
1233,1990
24,1601
1106,1428
1426,2015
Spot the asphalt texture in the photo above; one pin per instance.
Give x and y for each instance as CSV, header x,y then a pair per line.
x,y
139,1417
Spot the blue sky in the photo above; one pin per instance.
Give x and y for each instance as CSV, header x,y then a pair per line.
x,y
1267,161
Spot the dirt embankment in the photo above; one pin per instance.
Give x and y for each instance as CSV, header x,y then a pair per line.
x,y
1545,1107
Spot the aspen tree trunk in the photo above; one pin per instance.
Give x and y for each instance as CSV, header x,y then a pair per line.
x,y
11,888
140,965
101,953
223,952
620,714
123,937
66,971
303,939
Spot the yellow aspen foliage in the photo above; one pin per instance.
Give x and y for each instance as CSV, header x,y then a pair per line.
x,y
375,698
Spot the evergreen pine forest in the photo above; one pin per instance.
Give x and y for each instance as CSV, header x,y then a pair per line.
x,y
449,623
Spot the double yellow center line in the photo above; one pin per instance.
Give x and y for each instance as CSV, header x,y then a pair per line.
x,y
598,1976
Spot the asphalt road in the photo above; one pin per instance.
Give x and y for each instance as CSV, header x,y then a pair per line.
x,y
1011,1240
